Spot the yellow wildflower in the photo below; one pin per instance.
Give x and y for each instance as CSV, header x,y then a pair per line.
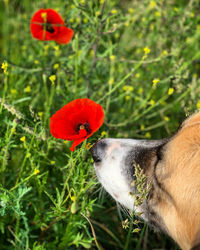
x,y
142,127
82,2
40,114
164,53
166,118
103,133
114,11
140,90
73,198
157,13
131,88
146,50
127,23
170,91
155,81
125,88
175,9
85,20
56,47
52,78
56,66
57,50
151,26
192,14
36,62
148,135
112,57
52,162
111,81
77,20
23,139
189,40
36,171
6,2
144,19
152,4
97,13
137,75
4,66
152,102
13,91
127,97
27,89
130,10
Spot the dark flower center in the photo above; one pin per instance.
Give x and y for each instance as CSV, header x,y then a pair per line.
x,y
85,126
49,28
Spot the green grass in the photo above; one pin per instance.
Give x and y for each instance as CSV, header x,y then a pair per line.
x,y
60,207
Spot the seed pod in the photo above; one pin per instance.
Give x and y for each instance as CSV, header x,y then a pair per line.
x,y
74,207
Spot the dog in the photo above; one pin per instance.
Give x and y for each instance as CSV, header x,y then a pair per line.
x,y
171,166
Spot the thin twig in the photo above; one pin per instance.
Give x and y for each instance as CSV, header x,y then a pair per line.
x,y
107,231
93,232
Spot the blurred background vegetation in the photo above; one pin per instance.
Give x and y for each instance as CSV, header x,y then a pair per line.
x,y
140,60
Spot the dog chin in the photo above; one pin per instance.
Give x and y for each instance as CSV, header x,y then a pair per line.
x,y
115,171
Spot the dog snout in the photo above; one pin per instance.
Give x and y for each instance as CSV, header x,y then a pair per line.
x,y
98,151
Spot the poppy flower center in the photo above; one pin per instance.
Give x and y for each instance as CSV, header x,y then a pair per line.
x,y
85,126
49,28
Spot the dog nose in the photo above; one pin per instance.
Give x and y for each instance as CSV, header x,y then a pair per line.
x,y
98,151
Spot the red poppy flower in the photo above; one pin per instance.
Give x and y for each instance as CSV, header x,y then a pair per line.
x,y
47,24
77,121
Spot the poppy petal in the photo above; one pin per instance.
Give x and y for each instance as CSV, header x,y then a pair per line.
x,y
76,143
64,35
83,112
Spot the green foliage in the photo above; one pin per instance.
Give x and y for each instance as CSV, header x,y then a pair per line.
x,y
139,59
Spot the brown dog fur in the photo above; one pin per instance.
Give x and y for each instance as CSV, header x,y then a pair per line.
x,y
179,173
